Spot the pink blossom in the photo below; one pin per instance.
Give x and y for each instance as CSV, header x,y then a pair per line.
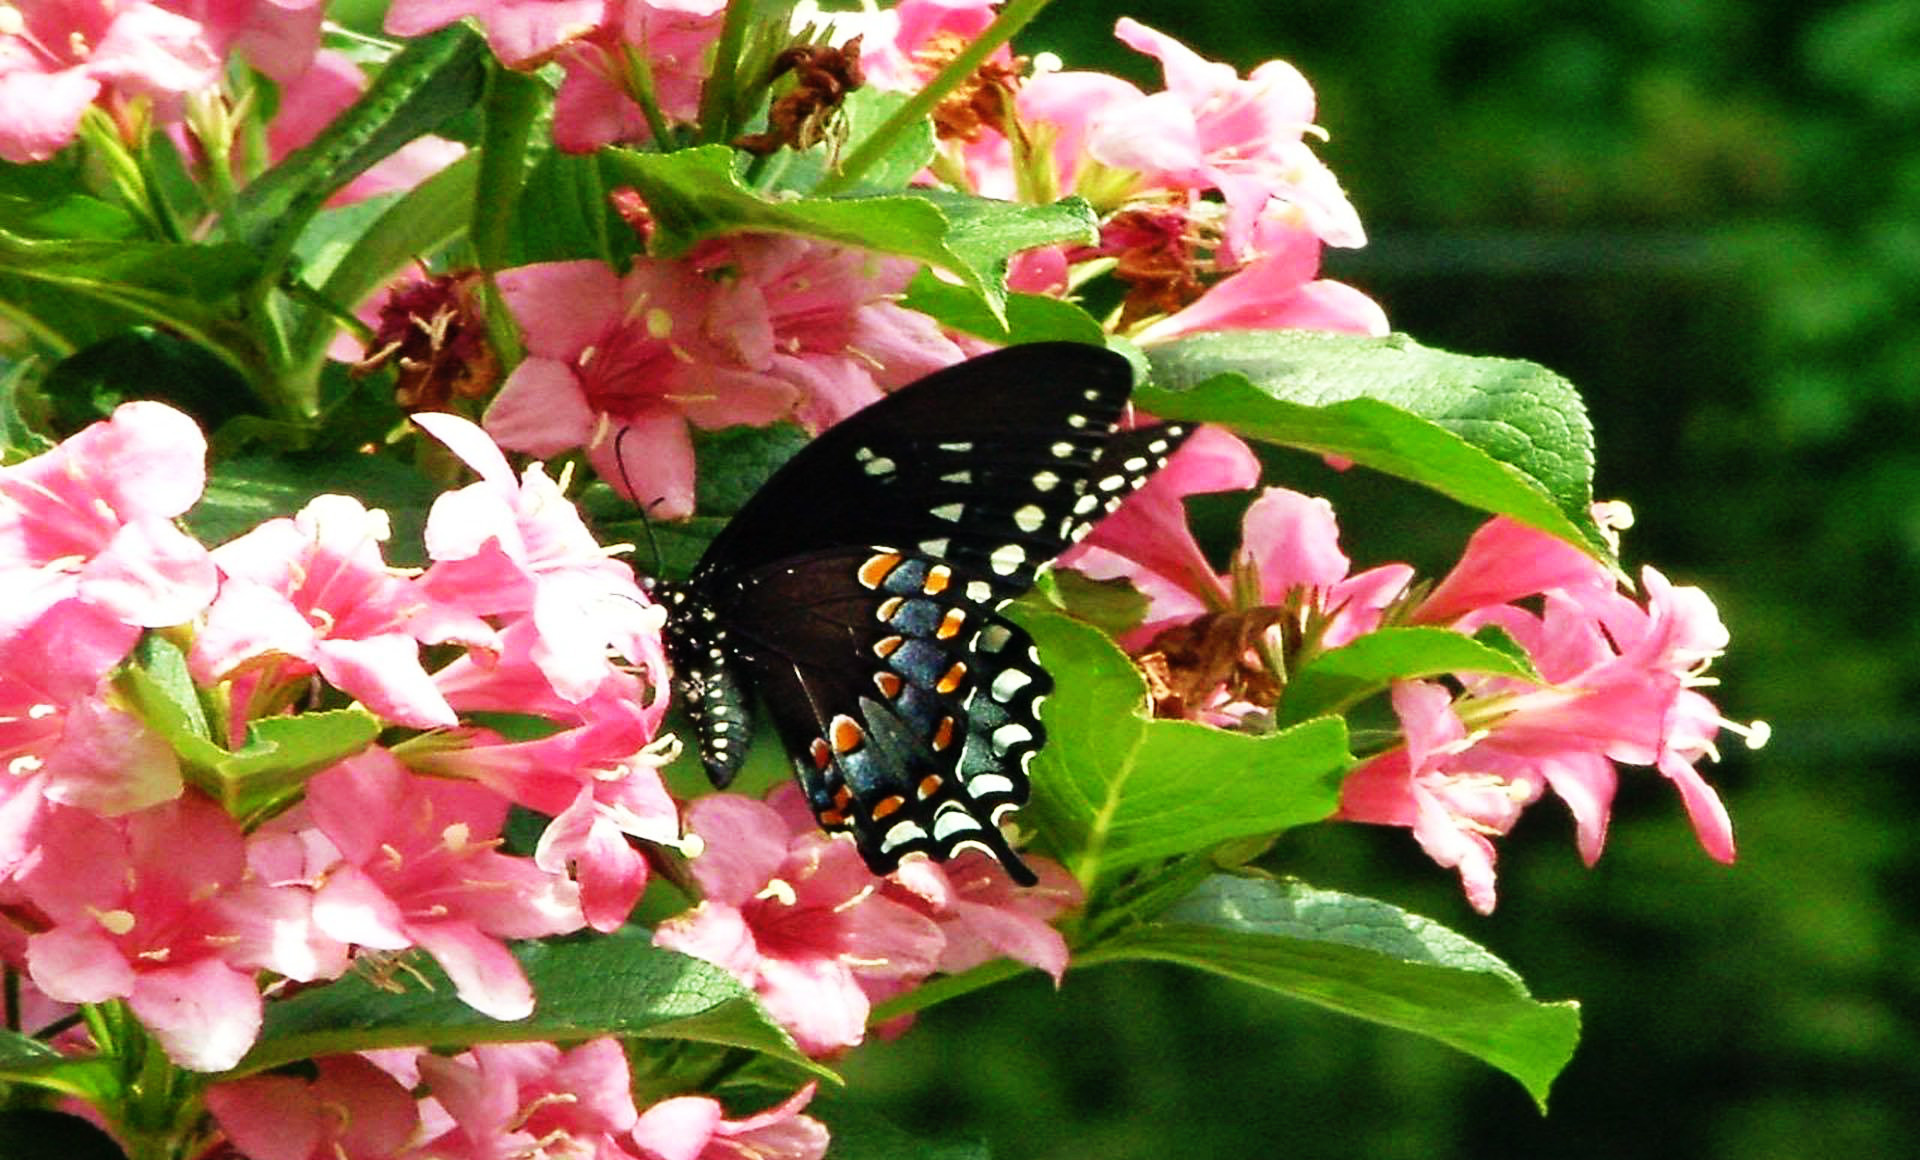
x,y
57,57
795,915
984,915
1618,689
93,518
312,594
522,33
1275,288
531,1099
156,908
696,1128
598,103
278,37
350,1110
414,865
599,782
621,366
503,546
836,332
64,736
312,98
898,49
1211,129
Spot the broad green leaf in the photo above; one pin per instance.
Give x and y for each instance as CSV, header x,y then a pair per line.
x,y
242,493
144,363
600,985
67,294
1113,789
1363,958
1500,435
1341,678
27,1060
433,78
67,215
694,194
1029,317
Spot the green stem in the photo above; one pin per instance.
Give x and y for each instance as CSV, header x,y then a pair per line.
x,y
1015,16
719,93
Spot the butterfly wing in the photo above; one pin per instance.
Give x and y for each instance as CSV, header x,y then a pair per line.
x,y
910,708
979,464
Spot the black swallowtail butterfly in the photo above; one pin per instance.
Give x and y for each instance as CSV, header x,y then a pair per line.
x,y
859,592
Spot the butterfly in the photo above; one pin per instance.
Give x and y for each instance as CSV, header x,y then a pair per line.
x,y
859,592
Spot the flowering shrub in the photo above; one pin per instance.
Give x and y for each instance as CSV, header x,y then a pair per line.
x,y
323,724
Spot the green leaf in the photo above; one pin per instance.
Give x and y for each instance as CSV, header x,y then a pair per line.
x,y
617,984
1362,958
67,215
26,1060
433,78
694,194
1113,789
67,294
243,492
1337,680
144,363
280,752
1500,435
1029,317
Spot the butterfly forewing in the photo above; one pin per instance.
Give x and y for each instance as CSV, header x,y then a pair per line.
x,y
859,589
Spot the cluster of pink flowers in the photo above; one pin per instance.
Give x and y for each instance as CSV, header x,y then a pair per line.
x,y
1619,675
523,1099
139,887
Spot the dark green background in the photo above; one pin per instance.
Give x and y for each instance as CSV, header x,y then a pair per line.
x,y
1706,213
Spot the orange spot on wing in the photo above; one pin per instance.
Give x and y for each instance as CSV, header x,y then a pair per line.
x,y
950,623
888,806
937,579
930,785
952,678
888,683
943,736
874,572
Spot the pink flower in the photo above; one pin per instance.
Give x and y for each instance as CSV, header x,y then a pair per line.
x,y
64,736
696,1128
1618,690
599,782
897,43
59,56
156,908
313,97
984,915
1274,289
351,1110
836,332
531,1099
278,37
312,594
621,366
1211,129
93,518
522,33
795,916
517,547
413,864
656,50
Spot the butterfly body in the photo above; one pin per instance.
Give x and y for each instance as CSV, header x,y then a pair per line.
x,y
859,592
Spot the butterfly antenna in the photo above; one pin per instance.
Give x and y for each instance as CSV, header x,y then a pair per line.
x,y
620,461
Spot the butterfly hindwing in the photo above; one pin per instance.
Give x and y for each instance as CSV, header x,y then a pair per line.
x,y
910,706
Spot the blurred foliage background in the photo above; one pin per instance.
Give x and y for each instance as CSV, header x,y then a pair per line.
x,y
1706,213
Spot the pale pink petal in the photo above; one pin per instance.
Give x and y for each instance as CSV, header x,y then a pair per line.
x,y
78,966
818,1001
471,445
109,762
713,931
40,112
384,673
1017,936
1586,782
745,844
1711,823
590,111
246,622
652,463
1294,541
563,307
485,974
679,1128
152,574
541,410
351,907
205,1014
1506,561
273,928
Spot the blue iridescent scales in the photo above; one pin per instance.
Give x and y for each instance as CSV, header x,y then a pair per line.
x,y
859,593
